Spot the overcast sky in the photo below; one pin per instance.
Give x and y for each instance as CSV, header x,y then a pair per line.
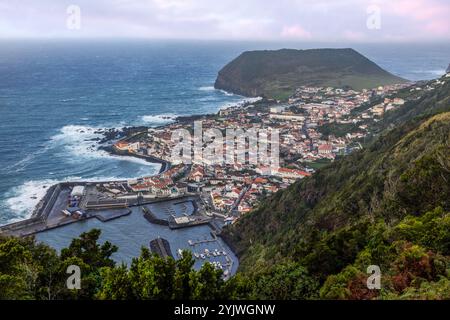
x,y
298,20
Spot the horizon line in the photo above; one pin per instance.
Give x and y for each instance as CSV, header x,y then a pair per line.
x,y
167,39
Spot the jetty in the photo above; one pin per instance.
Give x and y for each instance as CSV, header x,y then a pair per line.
x,y
161,247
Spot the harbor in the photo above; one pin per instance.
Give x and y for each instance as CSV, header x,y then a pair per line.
x,y
66,211
132,232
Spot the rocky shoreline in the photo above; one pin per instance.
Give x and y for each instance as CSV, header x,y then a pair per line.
x,y
106,143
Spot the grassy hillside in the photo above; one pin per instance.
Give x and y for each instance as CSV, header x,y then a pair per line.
x,y
278,73
386,205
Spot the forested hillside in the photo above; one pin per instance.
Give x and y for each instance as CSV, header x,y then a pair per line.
x,y
386,205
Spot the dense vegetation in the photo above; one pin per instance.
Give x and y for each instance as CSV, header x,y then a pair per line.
x,y
29,270
386,205
276,74
338,129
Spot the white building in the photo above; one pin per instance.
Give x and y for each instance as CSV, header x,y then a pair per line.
x,y
77,191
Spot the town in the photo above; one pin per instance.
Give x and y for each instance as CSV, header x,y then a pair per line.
x,y
316,125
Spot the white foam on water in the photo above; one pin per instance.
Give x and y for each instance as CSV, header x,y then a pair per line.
x,y
239,103
159,119
207,88
211,88
24,198
80,144
78,141
227,93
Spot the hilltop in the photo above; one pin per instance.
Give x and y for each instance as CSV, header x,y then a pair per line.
x,y
276,74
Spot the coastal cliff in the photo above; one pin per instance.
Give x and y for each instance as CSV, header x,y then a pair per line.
x,y
276,74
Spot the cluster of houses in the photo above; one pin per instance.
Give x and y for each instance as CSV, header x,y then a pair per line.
x,y
237,188
388,104
162,185
233,188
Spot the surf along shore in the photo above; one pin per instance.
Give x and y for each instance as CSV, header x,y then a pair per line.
x,y
47,214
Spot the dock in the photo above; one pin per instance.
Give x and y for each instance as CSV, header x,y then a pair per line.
x,y
105,216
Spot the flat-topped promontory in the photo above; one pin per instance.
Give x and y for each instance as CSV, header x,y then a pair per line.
x,y
276,74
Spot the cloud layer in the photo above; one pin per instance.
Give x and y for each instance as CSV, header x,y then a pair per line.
x,y
303,20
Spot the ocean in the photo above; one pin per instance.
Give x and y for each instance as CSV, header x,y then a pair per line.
x,y
55,95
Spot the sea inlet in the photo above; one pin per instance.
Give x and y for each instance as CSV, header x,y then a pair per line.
x,y
165,225
133,231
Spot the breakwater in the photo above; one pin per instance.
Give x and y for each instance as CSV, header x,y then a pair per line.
x,y
39,214
165,165
150,217
161,247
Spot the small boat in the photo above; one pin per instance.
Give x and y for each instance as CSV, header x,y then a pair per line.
x,y
196,255
191,243
180,252
202,256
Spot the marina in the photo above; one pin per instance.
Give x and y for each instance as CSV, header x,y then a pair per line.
x,y
62,216
132,232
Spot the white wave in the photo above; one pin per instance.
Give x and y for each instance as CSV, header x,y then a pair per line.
x,y
159,119
211,88
207,88
80,144
79,140
25,197
239,103
227,93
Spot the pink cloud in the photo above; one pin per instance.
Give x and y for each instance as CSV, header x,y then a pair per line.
x,y
295,31
424,18
418,9
441,27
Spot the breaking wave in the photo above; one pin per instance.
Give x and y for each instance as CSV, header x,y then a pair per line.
x,y
159,119
207,88
23,199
